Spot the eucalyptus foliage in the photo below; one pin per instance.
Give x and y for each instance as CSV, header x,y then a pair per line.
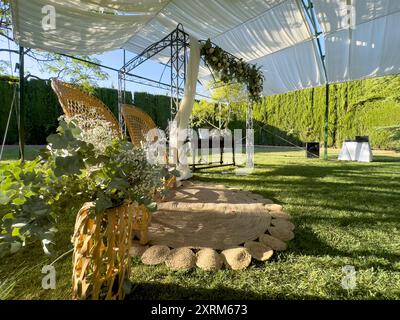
x,y
68,173
229,69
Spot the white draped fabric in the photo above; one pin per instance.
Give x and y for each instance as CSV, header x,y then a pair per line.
x,y
271,33
182,117
362,37
290,68
126,5
79,26
356,151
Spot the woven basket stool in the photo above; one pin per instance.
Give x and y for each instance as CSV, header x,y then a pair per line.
x,y
101,260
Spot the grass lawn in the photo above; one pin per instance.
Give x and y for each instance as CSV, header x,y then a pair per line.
x,y
12,152
345,214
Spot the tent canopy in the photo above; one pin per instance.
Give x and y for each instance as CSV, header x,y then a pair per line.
x,y
274,34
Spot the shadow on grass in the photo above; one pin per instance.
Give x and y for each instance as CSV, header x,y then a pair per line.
x,y
156,291
309,176
332,195
351,196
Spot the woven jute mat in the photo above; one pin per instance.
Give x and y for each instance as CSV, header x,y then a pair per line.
x,y
199,215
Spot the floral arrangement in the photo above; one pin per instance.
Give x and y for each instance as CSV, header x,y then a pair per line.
x,y
231,69
82,162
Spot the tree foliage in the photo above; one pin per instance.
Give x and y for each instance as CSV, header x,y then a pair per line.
x,y
227,101
4,65
74,71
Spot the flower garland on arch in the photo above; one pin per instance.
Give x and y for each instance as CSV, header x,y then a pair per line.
x,y
231,69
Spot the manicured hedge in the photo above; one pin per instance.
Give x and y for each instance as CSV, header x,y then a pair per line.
x,y
157,106
356,108
6,96
42,109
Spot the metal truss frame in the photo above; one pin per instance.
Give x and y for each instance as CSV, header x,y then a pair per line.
x,y
177,42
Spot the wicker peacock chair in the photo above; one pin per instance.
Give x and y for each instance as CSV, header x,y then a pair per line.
x,y
76,102
138,122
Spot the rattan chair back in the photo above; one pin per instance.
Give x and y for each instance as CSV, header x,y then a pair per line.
x,y
138,122
74,102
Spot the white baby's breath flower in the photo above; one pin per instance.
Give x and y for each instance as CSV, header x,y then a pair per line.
x,y
95,130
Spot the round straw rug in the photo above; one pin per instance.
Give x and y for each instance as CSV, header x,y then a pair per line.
x,y
205,216
210,225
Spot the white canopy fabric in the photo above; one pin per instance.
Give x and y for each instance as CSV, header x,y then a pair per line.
x,y
80,26
296,67
266,32
272,33
362,37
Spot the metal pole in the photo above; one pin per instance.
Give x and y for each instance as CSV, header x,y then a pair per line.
x,y
177,73
249,135
309,9
123,96
122,93
171,101
21,105
326,125
120,97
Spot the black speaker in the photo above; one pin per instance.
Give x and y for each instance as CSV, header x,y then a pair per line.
x,y
312,149
362,138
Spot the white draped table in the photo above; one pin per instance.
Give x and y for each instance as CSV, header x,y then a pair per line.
x,y
356,151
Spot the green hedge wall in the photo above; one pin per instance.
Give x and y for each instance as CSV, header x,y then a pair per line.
x,y
157,106
42,109
356,108
6,96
